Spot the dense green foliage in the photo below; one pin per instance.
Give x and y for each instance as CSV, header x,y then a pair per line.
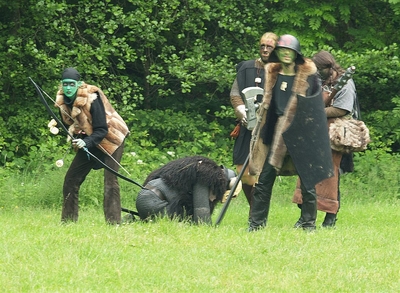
x,y
168,66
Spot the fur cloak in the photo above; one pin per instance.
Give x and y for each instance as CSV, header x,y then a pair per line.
x,y
79,117
259,149
268,135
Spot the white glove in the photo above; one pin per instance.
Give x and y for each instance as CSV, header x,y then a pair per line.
x,y
240,112
236,192
52,123
79,143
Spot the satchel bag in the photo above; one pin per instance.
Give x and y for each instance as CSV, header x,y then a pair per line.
x,y
235,132
348,135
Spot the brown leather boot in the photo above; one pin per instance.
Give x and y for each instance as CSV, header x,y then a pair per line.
x,y
248,192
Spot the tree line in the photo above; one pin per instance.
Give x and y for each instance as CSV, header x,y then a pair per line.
x,y
177,59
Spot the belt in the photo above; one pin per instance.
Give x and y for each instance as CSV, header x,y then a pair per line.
x,y
156,191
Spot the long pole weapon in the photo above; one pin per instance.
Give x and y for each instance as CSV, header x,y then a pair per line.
x,y
231,193
250,94
44,102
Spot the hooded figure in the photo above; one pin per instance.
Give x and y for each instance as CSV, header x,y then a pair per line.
x,y
186,188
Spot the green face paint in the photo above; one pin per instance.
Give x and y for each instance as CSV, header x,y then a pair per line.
x,y
70,87
286,55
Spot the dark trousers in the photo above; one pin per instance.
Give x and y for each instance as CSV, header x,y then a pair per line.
x,y
262,198
76,175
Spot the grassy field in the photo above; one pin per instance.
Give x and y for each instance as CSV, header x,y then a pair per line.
x,y
362,254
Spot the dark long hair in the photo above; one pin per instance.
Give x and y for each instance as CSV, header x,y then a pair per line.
x,y
324,60
182,174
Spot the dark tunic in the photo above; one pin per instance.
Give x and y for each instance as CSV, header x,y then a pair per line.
x,y
247,73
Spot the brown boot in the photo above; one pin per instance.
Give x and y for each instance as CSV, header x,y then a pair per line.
x,y
248,192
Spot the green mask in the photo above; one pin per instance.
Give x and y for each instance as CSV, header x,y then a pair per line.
x,y
70,87
286,55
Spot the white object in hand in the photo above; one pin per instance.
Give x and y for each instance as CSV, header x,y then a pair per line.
x,y
54,130
59,163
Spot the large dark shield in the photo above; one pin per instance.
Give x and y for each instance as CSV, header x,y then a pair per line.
x,y
307,141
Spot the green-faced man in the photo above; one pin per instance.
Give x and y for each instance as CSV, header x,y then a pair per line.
x,y
70,83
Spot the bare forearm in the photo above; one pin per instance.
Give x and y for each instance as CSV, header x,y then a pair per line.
x,y
332,112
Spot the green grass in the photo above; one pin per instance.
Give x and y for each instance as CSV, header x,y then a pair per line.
x,y
361,255
38,254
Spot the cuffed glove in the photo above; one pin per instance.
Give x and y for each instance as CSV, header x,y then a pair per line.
x,y
79,143
240,112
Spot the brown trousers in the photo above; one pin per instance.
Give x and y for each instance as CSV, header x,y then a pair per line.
x,y
76,175
327,190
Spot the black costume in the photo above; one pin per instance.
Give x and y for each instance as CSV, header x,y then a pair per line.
x,y
249,73
186,188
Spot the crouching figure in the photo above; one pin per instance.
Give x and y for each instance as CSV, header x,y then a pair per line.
x,y
185,189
